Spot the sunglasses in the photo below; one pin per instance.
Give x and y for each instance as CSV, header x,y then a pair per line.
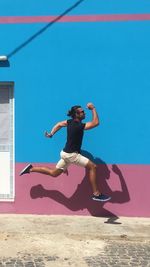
x,y
81,111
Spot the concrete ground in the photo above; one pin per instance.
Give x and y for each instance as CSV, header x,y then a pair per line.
x,y
53,241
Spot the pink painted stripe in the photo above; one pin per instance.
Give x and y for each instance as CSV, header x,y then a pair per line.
x,y
77,18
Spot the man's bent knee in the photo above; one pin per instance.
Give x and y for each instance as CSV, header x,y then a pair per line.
x,y
91,165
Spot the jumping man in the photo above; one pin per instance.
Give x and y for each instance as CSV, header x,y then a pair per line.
x,y
71,154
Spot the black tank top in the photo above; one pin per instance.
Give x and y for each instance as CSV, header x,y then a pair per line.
x,y
75,132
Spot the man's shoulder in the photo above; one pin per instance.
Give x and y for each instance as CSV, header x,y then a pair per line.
x,y
74,122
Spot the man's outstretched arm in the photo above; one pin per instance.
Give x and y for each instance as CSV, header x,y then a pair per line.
x,y
56,128
95,119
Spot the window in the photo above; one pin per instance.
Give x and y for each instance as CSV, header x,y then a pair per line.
x,y
6,141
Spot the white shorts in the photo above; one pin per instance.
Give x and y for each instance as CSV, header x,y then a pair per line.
x,y
71,158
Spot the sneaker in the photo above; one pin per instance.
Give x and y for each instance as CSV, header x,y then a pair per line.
x,y
26,169
101,197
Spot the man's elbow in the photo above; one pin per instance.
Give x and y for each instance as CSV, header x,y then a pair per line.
x,y
97,123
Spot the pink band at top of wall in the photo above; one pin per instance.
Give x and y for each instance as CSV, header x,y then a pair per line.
x,y
74,18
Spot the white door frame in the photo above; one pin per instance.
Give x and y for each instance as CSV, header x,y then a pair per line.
x,y
7,162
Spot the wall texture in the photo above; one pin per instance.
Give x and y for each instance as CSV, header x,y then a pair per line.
x,y
62,53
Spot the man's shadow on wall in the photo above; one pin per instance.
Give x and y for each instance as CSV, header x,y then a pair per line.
x,y
81,198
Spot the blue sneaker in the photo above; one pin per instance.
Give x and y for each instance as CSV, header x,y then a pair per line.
x,y
26,169
101,198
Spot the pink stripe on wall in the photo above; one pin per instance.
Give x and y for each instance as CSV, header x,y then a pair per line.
x,y
128,185
74,18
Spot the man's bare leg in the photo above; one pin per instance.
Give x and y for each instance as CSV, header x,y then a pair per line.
x,y
43,170
97,195
91,167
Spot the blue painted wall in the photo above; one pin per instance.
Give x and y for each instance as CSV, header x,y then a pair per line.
x,y
74,63
55,7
